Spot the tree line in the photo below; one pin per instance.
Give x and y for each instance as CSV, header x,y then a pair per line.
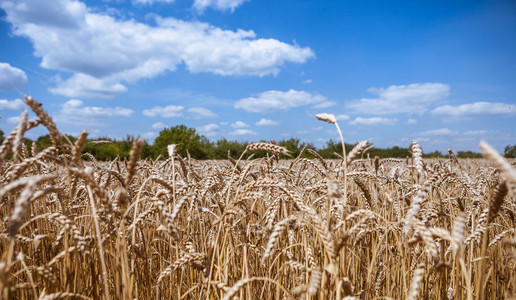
x,y
189,142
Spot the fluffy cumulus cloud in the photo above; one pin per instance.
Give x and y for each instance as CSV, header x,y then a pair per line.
x,y
267,122
209,130
476,109
439,132
242,132
151,1
103,52
276,101
478,132
11,105
159,125
205,48
74,111
325,104
373,121
82,85
412,98
11,78
201,5
201,113
342,117
149,135
171,111
13,120
239,124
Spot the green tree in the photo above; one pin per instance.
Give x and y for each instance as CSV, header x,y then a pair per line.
x,y
334,147
185,139
102,152
43,142
1,136
395,151
435,154
468,154
294,146
147,150
331,147
124,146
510,151
220,148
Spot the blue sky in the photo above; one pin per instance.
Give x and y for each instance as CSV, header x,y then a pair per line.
x,y
439,72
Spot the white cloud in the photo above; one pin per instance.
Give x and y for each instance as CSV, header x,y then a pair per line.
x,y
239,124
144,2
342,117
477,132
209,127
309,131
52,14
86,86
13,120
149,135
171,111
373,121
102,51
476,109
11,78
442,131
324,104
412,121
11,105
201,113
423,139
74,112
75,106
412,98
276,101
159,125
267,122
243,132
209,130
307,81
230,5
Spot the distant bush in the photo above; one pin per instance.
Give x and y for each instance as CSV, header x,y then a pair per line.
x,y
468,154
510,151
199,147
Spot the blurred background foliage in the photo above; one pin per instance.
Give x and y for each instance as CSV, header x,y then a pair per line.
x,y
189,142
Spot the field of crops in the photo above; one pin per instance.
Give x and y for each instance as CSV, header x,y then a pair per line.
x,y
349,228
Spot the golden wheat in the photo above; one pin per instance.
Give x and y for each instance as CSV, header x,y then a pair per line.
x,y
351,228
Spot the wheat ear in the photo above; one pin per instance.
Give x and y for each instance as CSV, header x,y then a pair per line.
x,y
501,164
46,120
79,145
136,151
419,274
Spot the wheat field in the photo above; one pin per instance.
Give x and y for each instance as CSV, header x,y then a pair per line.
x,y
350,228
